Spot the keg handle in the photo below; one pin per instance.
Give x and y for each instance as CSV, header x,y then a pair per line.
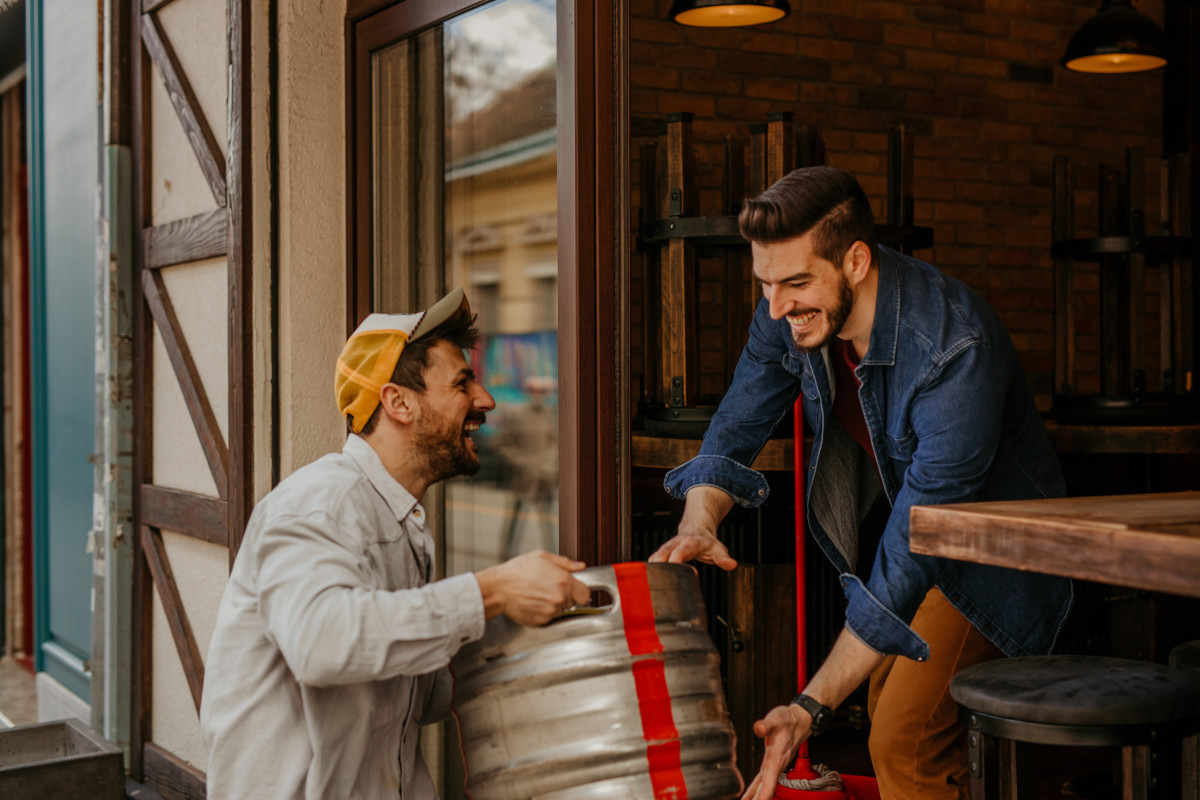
x,y
604,580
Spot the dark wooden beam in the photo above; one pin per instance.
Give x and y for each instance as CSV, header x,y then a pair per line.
x,y
186,513
591,212
239,259
191,116
154,5
168,775
184,240
172,603
143,407
189,379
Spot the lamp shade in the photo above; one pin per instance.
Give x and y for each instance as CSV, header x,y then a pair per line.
x,y
728,13
1117,39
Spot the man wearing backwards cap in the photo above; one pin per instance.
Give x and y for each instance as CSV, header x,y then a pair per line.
x,y
331,643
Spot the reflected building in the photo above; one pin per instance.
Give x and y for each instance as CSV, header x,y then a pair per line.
x,y
501,245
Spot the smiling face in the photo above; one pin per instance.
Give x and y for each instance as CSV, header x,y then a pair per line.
x,y
812,293
451,409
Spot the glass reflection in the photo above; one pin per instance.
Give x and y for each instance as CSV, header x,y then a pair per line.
x,y
500,201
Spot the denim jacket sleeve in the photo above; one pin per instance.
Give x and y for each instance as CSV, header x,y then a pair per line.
x,y
955,420
764,386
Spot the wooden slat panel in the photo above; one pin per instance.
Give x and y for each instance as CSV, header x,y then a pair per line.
x,y
199,134
1063,228
663,453
781,145
1112,357
168,593
677,331
762,608
189,378
171,777
184,240
1160,439
1135,268
186,513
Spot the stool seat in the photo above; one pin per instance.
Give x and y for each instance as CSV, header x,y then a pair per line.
x,y
1078,690
1010,704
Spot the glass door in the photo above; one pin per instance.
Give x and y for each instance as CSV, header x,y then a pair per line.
x,y
464,190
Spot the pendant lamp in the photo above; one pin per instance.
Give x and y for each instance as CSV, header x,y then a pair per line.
x,y
728,13
1117,39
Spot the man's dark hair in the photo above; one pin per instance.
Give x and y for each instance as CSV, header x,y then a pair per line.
x,y
460,330
825,200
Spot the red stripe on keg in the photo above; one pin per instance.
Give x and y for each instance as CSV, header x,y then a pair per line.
x,y
654,700
666,774
650,680
636,608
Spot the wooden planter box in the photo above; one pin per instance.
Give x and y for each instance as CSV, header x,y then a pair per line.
x,y
60,760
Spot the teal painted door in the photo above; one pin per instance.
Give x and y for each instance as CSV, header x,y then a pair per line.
x,y
64,162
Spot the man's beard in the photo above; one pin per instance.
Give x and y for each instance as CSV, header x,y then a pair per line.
x,y
445,450
836,316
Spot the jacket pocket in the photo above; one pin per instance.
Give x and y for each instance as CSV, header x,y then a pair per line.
x,y
900,448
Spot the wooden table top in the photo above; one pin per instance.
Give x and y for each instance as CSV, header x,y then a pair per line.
x,y
1146,541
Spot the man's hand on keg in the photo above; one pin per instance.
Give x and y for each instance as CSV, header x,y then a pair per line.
x,y
697,538
533,588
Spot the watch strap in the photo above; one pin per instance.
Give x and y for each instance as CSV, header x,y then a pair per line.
x,y
820,713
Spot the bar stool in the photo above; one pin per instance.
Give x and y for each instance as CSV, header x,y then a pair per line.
x,y
1010,704
1187,656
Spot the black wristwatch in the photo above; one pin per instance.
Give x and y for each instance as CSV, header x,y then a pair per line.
x,y
820,714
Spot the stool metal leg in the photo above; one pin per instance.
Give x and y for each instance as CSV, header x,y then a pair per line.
x,y
1015,769
1152,772
982,766
999,769
1135,771
1189,774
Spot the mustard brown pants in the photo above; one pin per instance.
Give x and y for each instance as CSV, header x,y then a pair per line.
x,y
918,746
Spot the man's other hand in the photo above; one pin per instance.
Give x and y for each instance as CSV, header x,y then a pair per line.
x,y
699,546
703,510
533,588
782,731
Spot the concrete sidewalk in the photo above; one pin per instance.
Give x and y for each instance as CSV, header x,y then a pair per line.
x,y
18,694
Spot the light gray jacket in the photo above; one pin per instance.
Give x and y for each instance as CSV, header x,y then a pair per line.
x,y
331,642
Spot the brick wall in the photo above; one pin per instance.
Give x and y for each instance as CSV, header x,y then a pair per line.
x,y
977,81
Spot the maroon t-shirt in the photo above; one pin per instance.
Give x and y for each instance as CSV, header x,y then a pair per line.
x,y
846,408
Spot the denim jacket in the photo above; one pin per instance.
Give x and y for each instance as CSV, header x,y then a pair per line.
x,y
951,420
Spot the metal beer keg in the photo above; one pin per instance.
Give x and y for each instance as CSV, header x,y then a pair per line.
x,y
622,702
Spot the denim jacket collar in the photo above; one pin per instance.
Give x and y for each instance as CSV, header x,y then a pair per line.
x,y
885,330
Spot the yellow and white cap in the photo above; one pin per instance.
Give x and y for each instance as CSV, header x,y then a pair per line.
x,y
370,355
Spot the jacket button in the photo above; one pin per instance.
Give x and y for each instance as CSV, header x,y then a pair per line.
x,y
762,492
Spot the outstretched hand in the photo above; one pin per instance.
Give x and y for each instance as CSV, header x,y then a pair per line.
x,y
694,546
696,538
532,588
783,730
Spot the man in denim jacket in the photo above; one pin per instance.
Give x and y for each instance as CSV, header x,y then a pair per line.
x,y
915,396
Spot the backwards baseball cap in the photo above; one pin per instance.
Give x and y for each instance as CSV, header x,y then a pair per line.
x,y
372,351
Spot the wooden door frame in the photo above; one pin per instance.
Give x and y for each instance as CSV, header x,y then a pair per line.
x,y
592,221
226,231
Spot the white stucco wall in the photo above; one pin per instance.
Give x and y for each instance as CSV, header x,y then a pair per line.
x,y
196,31
199,293
312,226
200,574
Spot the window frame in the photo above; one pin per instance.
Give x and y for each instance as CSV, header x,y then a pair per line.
x,y
594,507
